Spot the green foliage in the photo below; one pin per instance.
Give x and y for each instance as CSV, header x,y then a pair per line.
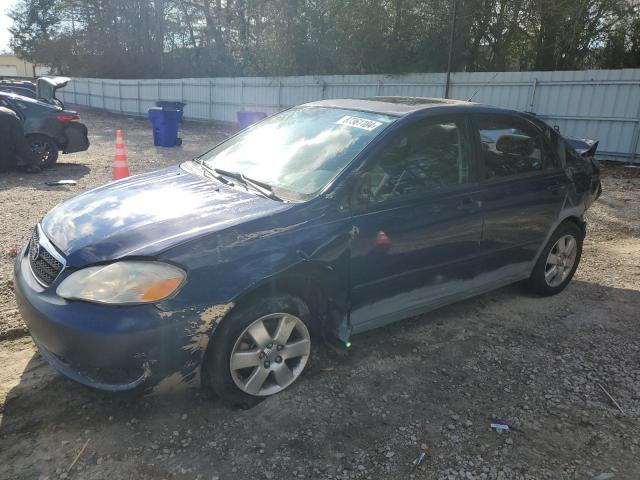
x,y
178,38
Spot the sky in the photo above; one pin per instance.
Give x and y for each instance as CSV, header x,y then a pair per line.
x,y
5,23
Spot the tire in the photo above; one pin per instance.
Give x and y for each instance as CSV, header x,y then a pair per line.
x,y
269,368
545,280
44,149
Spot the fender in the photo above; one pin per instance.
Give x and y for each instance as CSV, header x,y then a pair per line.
x,y
241,261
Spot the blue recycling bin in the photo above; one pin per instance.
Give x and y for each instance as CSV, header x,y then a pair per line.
x,y
246,119
164,123
172,106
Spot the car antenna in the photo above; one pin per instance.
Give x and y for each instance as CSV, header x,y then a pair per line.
x,y
484,84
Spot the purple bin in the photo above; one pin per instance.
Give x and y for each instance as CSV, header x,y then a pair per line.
x,y
249,118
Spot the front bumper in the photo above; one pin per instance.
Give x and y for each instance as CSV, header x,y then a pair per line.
x,y
104,347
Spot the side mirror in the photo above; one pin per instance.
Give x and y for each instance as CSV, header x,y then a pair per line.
x,y
515,144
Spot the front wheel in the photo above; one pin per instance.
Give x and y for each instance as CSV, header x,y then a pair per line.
x,y
558,261
43,149
260,350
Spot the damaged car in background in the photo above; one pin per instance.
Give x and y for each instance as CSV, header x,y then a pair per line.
x,y
48,127
43,89
318,223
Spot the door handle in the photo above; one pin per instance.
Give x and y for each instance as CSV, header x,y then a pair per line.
x,y
555,187
469,203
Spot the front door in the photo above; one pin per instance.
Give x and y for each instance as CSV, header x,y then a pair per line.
x,y
418,220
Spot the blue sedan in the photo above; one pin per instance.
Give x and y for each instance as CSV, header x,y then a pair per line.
x,y
320,222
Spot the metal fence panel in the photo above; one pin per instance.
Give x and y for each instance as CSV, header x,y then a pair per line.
x,y
599,104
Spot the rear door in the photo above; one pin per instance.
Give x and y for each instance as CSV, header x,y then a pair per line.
x,y
419,223
523,189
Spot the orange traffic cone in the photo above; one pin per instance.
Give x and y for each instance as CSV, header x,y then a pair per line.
x,y
120,167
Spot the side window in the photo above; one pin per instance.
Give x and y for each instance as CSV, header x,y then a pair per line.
x,y
509,147
429,155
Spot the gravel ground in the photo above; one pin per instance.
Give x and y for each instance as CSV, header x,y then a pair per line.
x,y
431,384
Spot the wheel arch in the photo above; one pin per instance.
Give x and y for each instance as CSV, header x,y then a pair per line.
x,y
53,138
571,217
308,283
578,221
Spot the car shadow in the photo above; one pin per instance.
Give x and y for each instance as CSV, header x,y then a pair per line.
x,y
60,171
44,408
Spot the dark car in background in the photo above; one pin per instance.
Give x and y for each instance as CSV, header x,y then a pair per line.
x,y
323,221
43,89
48,128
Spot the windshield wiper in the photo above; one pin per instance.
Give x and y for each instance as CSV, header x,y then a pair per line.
x,y
262,188
210,171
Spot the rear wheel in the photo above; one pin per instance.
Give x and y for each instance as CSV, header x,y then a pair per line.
x,y
559,260
260,350
44,150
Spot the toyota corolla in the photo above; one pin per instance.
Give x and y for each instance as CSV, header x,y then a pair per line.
x,y
318,223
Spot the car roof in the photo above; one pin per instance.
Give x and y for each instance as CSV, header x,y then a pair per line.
x,y
22,98
16,96
404,106
395,106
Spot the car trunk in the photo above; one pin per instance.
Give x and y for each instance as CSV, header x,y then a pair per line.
x,y
46,88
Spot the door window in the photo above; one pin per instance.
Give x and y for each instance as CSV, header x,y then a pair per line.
x,y
510,147
426,156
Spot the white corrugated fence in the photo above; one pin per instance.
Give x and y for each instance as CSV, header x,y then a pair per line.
x,y
598,104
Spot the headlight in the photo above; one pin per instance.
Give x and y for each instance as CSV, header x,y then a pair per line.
x,y
123,282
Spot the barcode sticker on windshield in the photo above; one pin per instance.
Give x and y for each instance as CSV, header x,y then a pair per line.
x,y
361,123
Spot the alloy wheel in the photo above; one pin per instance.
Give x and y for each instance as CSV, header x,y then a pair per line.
x,y
270,354
560,260
40,149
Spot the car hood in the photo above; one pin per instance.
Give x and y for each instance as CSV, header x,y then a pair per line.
x,y
146,214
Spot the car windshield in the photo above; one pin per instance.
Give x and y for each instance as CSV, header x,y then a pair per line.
x,y
299,151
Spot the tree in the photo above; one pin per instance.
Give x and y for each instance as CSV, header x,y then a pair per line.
x,y
173,38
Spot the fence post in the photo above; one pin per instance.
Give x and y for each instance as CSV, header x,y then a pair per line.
x,y
75,94
104,99
120,96
324,90
636,136
634,142
210,99
138,97
532,95
379,88
280,95
242,95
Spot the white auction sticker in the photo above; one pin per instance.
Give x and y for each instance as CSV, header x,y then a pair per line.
x,y
358,122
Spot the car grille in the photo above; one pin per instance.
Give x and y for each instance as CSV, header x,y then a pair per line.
x,y
44,266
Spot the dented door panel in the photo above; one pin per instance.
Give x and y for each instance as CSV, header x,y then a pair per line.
x,y
409,255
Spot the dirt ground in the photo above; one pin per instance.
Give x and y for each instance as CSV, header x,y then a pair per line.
x,y
431,384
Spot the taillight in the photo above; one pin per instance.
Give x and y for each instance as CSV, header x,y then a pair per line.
x,y
68,117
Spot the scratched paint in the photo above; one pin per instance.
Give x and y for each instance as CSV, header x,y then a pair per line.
x,y
172,383
208,319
